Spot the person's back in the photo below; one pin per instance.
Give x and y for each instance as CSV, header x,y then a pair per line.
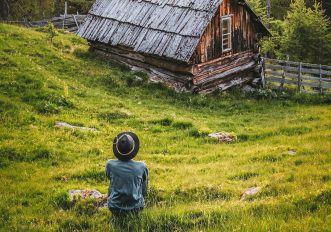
x,y
128,185
128,178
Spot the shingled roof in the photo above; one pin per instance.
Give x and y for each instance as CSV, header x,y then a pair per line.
x,y
168,28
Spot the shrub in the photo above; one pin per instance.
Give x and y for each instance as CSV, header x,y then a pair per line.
x,y
51,31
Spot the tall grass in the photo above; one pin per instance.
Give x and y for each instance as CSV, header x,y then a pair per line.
x,y
195,182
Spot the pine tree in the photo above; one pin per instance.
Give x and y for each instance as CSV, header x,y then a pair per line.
x,y
259,9
306,33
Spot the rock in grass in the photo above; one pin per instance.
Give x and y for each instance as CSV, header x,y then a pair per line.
x,y
77,194
67,125
85,194
223,137
292,152
250,192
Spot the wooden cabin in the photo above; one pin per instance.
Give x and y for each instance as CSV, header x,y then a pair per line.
x,y
203,44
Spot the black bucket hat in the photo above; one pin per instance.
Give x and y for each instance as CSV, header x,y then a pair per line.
x,y
126,146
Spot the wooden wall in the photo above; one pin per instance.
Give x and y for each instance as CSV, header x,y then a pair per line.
x,y
244,31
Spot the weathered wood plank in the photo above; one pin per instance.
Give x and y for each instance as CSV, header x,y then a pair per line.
x,y
280,80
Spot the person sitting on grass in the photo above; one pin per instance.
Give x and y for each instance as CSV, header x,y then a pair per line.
x,y
128,178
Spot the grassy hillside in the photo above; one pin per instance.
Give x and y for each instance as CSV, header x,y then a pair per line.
x,y
195,183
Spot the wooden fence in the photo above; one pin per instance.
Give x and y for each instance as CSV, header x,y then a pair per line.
x,y
68,22
312,78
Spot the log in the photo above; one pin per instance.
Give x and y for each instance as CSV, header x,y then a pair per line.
x,y
232,71
226,86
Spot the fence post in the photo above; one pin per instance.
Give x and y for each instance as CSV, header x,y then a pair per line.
x,y
263,73
321,89
299,76
283,76
65,13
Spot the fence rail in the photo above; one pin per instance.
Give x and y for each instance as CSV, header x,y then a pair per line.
x,y
69,22
313,78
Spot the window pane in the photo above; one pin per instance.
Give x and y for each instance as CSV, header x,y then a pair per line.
x,y
226,34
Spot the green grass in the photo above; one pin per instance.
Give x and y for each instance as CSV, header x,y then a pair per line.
x,y
195,183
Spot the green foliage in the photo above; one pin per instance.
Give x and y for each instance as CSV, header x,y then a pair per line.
x,y
306,34
51,31
260,9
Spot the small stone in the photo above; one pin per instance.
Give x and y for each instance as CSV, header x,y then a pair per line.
x,y
84,194
77,194
248,89
250,192
67,125
138,78
223,137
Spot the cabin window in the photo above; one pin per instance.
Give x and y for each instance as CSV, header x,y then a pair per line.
x,y
226,34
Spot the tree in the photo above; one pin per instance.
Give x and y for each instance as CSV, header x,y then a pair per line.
x,y
306,34
259,8
51,31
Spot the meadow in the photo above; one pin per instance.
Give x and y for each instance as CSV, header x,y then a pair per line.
x,y
195,183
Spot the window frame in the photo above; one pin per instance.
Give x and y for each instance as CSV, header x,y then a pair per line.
x,y
229,19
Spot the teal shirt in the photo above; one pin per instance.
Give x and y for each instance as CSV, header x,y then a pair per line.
x,y
128,184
